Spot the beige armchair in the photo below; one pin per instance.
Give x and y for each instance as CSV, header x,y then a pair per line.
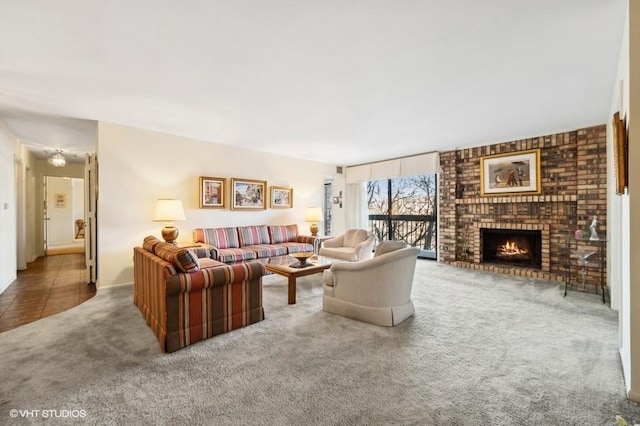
x,y
355,244
378,290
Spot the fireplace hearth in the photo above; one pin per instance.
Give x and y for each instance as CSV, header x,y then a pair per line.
x,y
512,247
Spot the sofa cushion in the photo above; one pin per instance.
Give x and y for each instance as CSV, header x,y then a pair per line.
x,y
181,258
253,235
354,236
150,243
233,255
267,250
222,238
297,247
283,233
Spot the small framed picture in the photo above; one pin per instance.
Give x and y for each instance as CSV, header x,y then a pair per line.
x,y
281,198
510,174
212,192
61,201
248,194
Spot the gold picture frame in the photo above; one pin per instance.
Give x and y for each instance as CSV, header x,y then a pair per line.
x,y
281,198
213,192
516,173
248,194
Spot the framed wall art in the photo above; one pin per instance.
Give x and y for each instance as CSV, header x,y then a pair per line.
x,y
620,152
213,192
248,194
281,198
510,174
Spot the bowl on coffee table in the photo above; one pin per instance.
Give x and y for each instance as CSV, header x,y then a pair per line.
x,y
301,258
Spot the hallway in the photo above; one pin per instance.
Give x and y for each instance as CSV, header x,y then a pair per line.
x,y
49,285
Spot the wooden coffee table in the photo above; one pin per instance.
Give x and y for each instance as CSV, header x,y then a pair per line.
x,y
281,265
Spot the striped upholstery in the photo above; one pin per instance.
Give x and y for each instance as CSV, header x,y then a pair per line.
x,y
252,242
181,258
253,235
308,239
267,250
234,255
222,238
297,247
185,308
283,233
150,242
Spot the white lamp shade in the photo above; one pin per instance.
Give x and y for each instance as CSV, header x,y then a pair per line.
x,y
168,210
313,214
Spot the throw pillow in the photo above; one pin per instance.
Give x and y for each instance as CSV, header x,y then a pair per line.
x,y
150,243
181,258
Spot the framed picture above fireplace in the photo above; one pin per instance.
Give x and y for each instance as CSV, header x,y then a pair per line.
x,y
515,173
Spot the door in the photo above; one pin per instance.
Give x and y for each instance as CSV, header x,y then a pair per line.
x,y
91,215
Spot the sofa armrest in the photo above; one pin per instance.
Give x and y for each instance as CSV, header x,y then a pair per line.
x,y
309,239
214,277
211,250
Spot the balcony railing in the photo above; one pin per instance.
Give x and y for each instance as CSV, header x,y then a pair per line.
x,y
417,231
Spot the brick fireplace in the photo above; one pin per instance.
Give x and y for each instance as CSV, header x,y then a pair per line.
x,y
573,189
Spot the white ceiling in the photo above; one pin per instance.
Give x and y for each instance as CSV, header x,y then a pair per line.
x,y
343,81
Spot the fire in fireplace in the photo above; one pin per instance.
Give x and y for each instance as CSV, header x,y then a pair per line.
x,y
512,247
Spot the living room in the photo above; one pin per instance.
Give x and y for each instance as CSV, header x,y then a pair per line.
x,y
138,165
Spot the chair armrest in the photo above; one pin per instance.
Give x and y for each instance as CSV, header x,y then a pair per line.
x,y
364,249
334,242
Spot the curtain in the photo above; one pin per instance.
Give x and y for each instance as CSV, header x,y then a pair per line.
x,y
355,204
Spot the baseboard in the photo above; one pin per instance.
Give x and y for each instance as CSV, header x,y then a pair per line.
x,y
634,395
5,286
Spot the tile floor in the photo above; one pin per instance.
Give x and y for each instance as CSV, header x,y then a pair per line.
x,y
49,285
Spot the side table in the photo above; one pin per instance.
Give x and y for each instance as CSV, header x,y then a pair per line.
x,y
585,255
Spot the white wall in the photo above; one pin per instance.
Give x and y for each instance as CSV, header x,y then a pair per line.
x,y
60,228
136,167
624,233
8,198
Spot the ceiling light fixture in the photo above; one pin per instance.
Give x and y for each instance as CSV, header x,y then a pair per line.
x,y
57,159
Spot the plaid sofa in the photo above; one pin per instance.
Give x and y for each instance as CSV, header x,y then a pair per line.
x,y
242,243
186,299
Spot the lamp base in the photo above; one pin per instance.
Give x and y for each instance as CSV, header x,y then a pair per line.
x,y
314,229
170,234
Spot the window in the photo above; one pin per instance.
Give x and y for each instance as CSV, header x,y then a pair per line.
x,y
405,209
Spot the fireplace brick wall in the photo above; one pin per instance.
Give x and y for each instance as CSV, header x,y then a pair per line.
x,y
573,182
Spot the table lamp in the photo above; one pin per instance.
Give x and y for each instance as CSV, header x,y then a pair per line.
x,y
313,215
168,211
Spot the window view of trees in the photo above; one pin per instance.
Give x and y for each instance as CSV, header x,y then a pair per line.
x,y
404,209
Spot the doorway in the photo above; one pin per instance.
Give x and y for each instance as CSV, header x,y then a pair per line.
x,y
64,215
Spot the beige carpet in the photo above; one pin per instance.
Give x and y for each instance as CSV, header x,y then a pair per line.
x,y
482,349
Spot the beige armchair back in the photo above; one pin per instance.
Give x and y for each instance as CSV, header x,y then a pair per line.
x,y
354,244
376,290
